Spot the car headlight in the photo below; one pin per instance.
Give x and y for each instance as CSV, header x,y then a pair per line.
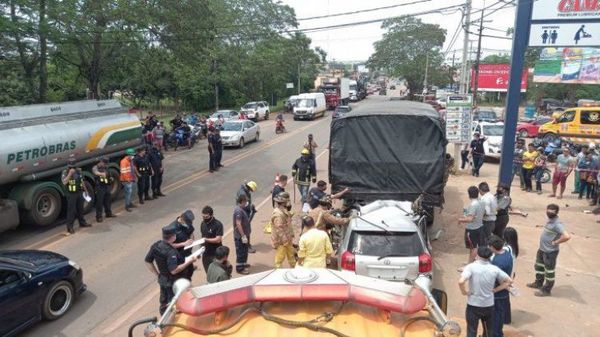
x,y
74,265
234,137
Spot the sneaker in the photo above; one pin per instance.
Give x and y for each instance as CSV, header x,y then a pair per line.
x,y
70,231
251,250
534,285
128,209
111,216
243,272
132,205
542,293
141,201
85,225
148,198
160,194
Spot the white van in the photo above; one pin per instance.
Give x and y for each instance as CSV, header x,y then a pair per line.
x,y
310,106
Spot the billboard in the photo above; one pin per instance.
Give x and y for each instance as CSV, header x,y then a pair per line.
x,y
494,77
565,9
568,65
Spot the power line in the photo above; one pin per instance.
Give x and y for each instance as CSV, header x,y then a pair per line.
x,y
361,11
454,36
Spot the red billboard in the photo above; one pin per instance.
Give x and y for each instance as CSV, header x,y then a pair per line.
x,y
494,77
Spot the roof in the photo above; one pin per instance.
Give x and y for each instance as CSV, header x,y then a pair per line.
x,y
394,107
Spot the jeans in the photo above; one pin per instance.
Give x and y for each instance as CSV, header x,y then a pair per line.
x,y
544,269
464,156
477,164
241,254
128,189
500,225
517,170
474,315
488,228
584,187
501,306
527,175
303,192
577,182
285,251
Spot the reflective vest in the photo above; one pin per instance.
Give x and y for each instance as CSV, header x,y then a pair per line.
x,y
126,170
75,184
102,180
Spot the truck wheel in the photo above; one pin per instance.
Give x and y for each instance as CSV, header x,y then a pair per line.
x,y
45,207
88,206
550,137
115,186
58,300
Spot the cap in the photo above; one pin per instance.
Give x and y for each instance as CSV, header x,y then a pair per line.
x,y
188,217
72,162
104,160
169,230
282,197
252,185
305,152
130,152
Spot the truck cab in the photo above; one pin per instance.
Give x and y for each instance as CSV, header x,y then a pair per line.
x,y
579,125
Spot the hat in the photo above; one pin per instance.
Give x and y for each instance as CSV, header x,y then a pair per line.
x,y
71,162
305,152
282,197
169,230
130,152
252,185
188,217
325,200
476,133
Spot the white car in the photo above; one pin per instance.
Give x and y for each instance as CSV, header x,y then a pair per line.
x,y
228,115
256,110
493,134
239,132
387,242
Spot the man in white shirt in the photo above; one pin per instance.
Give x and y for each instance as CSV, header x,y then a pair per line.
x,y
490,204
482,277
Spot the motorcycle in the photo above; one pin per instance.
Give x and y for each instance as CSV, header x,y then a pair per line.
x,y
279,127
180,137
198,131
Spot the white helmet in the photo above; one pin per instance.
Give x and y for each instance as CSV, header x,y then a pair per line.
x,y
592,145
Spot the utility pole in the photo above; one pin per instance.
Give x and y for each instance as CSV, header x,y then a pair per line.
x,y
464,68
298,78
477,60
426,74
452,74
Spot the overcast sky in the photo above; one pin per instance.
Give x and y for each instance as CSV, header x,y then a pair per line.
x,y
356,43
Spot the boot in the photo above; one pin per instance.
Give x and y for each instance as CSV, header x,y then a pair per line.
x,y
535,285
141,201
99,219
147,197
160,194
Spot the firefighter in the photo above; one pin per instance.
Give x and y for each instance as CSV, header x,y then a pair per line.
x,y
103,182
128,177
282,236
246,190
143,171
304,172
72,179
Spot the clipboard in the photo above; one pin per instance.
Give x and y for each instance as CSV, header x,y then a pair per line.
x,y
197,253
194,244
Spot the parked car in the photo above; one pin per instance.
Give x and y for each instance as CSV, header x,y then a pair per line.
x,y
310,106
530,128
290,103
239,132
387,242
493,132
341,111
256,110
484,115
35,285
547,106
579,125
227,115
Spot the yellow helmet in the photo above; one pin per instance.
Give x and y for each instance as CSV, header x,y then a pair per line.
x,y
252,185
305,151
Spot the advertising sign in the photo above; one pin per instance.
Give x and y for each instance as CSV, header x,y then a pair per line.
x,y
568,65
289,85
494,77
564,34
458,118
566,10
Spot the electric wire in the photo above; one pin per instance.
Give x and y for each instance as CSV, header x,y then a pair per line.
x,y
362,11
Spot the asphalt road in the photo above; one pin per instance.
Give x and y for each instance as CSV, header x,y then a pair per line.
x,y
120,288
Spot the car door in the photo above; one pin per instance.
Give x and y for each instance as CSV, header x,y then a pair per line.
x,y
589,125
566,123
260,110
249,133
18,300
233,115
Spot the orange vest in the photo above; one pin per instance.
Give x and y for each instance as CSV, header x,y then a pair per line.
x,y
126,171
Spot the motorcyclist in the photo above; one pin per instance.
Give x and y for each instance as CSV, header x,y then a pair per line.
x,y
183,135
176,122
279,126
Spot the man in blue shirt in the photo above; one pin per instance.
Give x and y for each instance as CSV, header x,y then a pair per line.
x,y
502,259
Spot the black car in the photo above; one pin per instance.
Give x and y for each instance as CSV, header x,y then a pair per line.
x,y
35,285
341,111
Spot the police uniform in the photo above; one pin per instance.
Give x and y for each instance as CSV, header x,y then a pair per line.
x,y
184,232
155,157
143,184
166,258
74,187
102,187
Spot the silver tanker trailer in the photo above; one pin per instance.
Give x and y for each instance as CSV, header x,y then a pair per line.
x,y
37,141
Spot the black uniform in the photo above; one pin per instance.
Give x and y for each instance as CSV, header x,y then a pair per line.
x,y
184,232
210,230
75,200
103,197
167,259
143,184
156,158
218,145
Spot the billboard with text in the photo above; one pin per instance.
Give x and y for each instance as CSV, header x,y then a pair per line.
x,y
568,65
494,77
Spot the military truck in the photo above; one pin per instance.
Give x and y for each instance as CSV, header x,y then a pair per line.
x,y
37,142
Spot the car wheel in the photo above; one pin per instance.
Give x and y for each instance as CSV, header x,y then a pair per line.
x,y
257,136
550,137
242,143
58,300
45,208
267,115
523,133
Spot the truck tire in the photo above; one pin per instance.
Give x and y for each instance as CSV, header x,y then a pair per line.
x,y
115,186
46,205
88,206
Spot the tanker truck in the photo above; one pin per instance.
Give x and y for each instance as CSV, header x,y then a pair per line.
x,y
38,140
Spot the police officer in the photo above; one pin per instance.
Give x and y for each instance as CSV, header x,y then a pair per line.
x,y
143,171
246,190
164,261
72,179
156,158
184,236
218,145
212,166
103,181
